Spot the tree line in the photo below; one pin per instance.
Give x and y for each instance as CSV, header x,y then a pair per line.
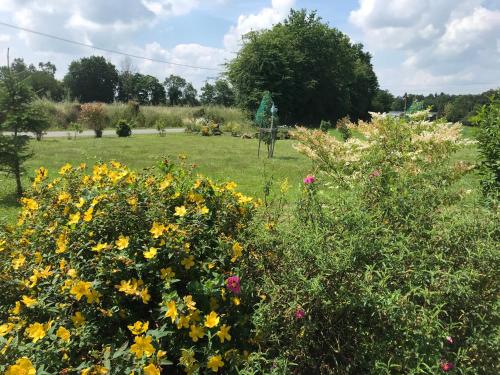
x,y
94,79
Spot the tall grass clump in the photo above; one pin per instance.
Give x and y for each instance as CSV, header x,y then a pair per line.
x,y
385,266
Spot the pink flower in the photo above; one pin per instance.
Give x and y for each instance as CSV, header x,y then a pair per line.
x,y
375,173
300,313
449,339
233,284
309,180
446,366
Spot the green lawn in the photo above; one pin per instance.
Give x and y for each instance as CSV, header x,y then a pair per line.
x,y
221,158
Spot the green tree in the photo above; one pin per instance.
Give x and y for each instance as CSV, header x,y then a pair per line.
x,y
189,95
41,80
92,79
207,94
382,101
313,71
18,115
175,86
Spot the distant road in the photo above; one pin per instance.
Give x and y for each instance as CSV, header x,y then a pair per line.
x,y
90,133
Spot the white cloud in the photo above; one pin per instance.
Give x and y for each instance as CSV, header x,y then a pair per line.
x,y
449,45
4,38
265,18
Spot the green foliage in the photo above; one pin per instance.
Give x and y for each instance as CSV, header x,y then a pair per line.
x,y
382,101
104,259
220,93
383,260
92,79
325,126
146,89
123,129
18,114
343,128
313,71
488,136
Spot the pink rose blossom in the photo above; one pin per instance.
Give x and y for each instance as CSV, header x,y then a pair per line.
x,y
309,180
446,366
300,313
449,339
233,284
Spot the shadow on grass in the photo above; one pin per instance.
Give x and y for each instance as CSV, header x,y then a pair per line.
x,y
285,157
9,200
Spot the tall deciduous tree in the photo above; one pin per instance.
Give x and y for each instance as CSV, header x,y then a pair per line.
x,y
92,79
175,86
313,71
17,115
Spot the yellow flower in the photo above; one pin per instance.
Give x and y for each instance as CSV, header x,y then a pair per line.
x,y
145,296
93,296
215,362
160,354
16,309
237,251
151,369
28,301
122,242
212,320
138,327
188,262
78,319
157,230
74,218
167,273
36,331
30,204
126,287
63,197
223,333
142,346
62,243
190,304
80,289
5,328
72,273
23,366
187,358
151,253
87,216
166,182
18,262
204,210
236,301
171,311
100,247
63,334
196,332
231,185
183,322
65,169
180,211
80,203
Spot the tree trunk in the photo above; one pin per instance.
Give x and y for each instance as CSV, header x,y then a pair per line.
x,y
17,175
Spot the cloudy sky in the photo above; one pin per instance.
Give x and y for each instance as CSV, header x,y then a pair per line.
x,y
418,46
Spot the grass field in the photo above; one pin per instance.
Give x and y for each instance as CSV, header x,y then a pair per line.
x,y
221,158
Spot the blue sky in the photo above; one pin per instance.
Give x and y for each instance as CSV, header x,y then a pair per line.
x,y
419,46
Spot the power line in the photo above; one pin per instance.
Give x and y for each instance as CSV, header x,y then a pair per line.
x,y
105,49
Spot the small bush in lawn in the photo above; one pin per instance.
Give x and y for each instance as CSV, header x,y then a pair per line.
x,y
109,271
93,116
383,269
324,126
161,126
123,129
343,127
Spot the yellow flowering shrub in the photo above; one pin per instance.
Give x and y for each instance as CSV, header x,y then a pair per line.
x,y
109,271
